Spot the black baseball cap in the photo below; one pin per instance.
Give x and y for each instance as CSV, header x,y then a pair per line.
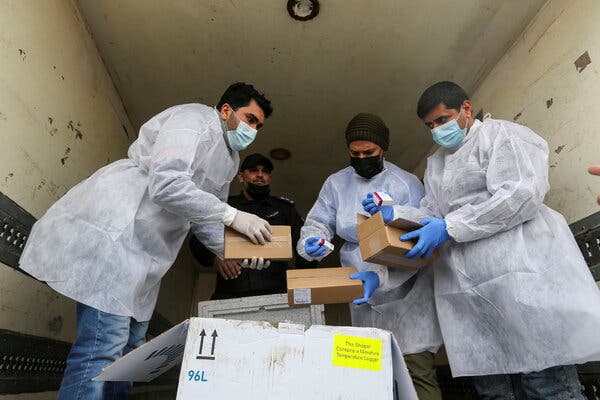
x,y
256,159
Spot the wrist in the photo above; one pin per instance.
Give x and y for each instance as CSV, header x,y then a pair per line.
x,y
381,276
450,229
229,215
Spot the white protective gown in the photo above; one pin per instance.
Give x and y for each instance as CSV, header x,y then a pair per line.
x,y
109,240
403,300
512,290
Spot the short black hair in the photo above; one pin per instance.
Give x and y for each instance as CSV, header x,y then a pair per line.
x,y
240,94
445,92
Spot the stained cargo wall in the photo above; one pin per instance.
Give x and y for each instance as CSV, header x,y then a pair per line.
x,y
549,81
60,120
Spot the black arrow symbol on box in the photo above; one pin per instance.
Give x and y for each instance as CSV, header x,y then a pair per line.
x,y
214,336
202,334
212,354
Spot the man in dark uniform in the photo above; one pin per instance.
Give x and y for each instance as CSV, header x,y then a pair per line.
x,y
256,277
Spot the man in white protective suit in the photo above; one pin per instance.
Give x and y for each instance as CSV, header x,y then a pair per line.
x,y
516,302
109,240
404,303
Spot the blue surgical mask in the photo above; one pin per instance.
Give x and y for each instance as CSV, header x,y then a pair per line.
x,y
450,134
240,138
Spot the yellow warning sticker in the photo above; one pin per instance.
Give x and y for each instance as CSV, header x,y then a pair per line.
x,y
357,352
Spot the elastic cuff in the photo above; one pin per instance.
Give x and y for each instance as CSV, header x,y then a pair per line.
x,y
376,298
309,258
382,274
229,215
451,229
394,213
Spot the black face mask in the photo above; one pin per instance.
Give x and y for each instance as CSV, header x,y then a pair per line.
x,y
367,167
258,192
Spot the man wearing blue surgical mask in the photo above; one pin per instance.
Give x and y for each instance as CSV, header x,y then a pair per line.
x,y
516,302
242,129
108,242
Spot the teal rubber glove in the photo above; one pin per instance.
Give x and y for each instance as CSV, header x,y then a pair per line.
x,y
370,282
432,235
386,211
312,248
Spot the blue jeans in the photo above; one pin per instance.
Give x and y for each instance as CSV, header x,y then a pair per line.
x,y
556,383
101,339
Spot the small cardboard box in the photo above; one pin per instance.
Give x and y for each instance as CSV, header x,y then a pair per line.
x,y
251,360
382,199
238,247
380,243
322,286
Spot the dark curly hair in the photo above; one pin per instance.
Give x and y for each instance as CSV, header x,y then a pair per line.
x,y
445,92
240,94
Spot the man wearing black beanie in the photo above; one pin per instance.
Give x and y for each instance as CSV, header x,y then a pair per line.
x,y
403,302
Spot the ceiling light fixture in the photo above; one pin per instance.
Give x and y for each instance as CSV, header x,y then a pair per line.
x,y
280,154
303,10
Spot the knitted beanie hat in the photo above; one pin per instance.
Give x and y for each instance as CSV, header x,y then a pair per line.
x,y
368,127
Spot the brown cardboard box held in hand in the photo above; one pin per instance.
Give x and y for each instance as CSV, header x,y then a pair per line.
x,y
238,247
323,286
380,243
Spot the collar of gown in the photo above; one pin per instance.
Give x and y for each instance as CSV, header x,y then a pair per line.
x,y
471,133
473,130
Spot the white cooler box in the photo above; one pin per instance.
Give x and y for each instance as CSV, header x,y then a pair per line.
x,y
227,359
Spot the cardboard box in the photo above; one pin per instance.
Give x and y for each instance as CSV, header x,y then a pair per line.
x,y
238,247
253,360
322,286
380,243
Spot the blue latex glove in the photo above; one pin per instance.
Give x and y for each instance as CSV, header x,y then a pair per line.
x,y
313,249
370,282
386,211
431,236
